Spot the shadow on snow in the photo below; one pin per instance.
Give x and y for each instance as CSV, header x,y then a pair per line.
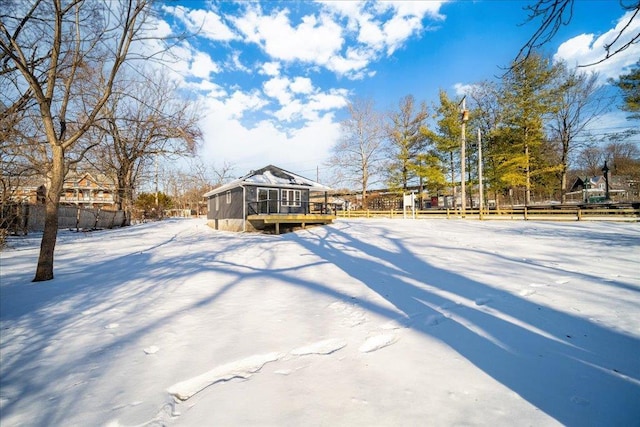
x,y
572,369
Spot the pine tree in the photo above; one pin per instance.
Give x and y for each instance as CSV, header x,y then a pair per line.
x,y
408,138
629,84
527,97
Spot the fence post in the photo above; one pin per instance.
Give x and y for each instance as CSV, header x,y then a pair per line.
x,y
77,218
579,214
95,225
525,214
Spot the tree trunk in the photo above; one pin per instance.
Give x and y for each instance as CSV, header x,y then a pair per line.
x,y
44,270
453,177
563,173
527,196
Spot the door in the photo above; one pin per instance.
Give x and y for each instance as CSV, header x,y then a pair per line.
x,y
267,201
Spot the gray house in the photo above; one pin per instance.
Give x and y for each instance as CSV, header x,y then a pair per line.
x,y
265,199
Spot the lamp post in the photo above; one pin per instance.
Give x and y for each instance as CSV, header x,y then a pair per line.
x,y
480,184
463,146
605,172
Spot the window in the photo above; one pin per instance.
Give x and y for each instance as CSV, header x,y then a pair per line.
x,y
228,197
217,202
290,197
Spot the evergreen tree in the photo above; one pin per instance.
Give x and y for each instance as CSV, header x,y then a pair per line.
x,y
527,96
629,84
448,136
408,138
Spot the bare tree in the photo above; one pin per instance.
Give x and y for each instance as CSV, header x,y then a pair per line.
x,y
576,107
359,151
219,174
487,116
47,49
144,119
553,14
187,185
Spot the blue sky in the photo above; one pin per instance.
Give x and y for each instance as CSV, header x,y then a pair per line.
x,y
273,77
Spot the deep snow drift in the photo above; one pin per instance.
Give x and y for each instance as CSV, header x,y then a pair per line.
x,y
364,322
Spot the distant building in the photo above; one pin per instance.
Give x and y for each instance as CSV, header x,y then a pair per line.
x,y
594,189
89,191
80,189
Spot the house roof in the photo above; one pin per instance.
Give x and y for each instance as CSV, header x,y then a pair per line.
x,y
271,176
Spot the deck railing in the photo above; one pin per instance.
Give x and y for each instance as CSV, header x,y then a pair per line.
x,y
608,213
274,207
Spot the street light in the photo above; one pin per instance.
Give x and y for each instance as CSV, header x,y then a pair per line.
x,y
605,172
464,118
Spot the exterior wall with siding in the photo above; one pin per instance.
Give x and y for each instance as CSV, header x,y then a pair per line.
x,y
234,209
231,210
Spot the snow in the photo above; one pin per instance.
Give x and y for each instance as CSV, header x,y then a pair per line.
x,y
363,322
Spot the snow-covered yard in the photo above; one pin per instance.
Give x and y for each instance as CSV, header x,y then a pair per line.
x,y
364,322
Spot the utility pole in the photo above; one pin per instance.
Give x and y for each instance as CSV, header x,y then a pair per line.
x,y
156,181
463,155
480,185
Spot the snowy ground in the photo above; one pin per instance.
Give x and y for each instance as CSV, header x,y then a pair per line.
x,y
365,322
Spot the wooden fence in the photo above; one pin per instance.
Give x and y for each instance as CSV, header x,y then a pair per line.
x,y
564,213
24,218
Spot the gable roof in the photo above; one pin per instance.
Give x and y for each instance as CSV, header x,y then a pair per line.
x,y
271,176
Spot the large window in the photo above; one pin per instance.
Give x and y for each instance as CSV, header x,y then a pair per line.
x,y
290,197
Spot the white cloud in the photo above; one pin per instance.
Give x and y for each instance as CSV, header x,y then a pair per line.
x,y
291,111
421,9
462,89
314,40
237,64
274,117
278,88
159,29
370,32
355,60
351,10
301,85
206,87
239,102
204,23
587,49
265,143
399,29
332,100
202,65
298,99
270,69
379,27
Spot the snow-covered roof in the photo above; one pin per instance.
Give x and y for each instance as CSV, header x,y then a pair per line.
x,y
271,176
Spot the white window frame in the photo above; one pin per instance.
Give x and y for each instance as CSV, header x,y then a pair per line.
x,y
217,202
291,198
229,197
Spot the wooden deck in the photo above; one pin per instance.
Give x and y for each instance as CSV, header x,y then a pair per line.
x,y
292,220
